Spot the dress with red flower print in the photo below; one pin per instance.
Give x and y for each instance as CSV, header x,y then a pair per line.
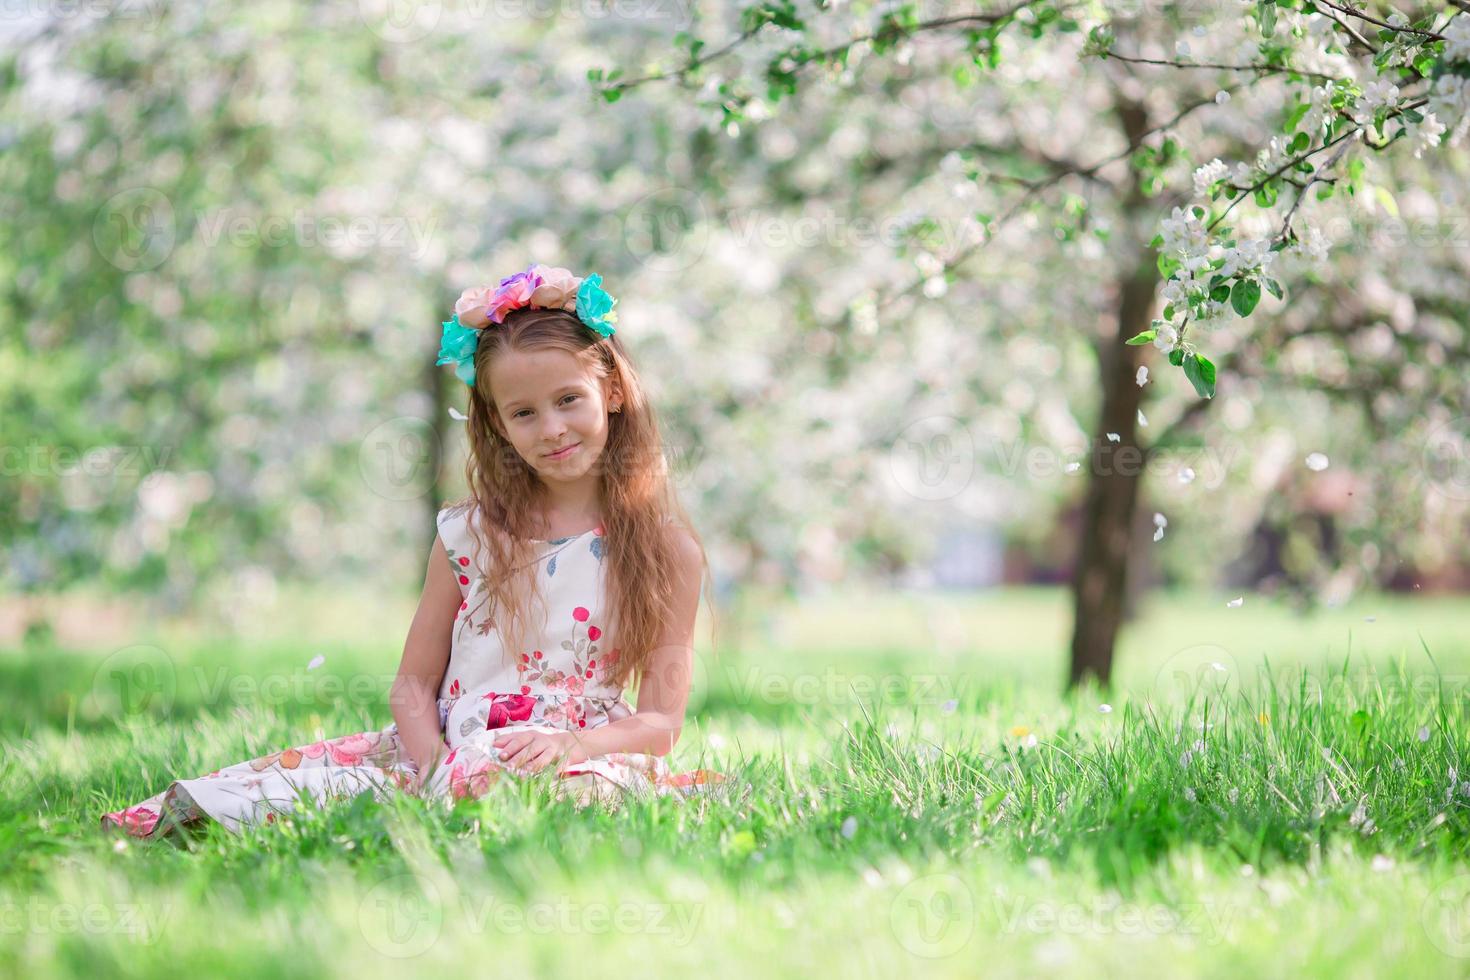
x,y
561,683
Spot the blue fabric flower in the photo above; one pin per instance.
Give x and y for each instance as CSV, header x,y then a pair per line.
x,y
595,307
458,348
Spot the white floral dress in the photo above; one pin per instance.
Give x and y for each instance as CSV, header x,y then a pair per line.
x,y
559,684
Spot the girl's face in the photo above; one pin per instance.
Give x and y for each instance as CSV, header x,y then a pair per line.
x,y
546,401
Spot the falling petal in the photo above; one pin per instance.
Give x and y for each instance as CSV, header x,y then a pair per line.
x,y
1072,467
1142,419
849,827
1160,520
1219,667
457,415
950,705
1381,863
1112,437
1105,708
1186,475
1158,534
1142,376
316,662
1237,602
1424,734
1317,462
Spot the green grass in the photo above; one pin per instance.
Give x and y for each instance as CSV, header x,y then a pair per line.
x,y
911,794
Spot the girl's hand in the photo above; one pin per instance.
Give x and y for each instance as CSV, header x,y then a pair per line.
x,y
422,773
534,751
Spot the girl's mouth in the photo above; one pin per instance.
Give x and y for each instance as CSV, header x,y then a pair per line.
x,y
563,454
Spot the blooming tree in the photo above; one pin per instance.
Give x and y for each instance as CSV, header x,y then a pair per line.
x,y
1407,84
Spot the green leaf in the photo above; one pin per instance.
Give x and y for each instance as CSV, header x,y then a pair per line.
x,y
1176,356
992,801
1220,293
1360,721
1275,288
1244,296
1325,191
1294,120
1201,374
1139,339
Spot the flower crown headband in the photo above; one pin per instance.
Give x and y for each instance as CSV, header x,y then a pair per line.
x,y
539,287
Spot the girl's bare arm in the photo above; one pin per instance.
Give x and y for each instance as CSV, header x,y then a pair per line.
x,y
415,693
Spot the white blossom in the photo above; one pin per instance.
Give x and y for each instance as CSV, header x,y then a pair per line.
x,y
1247,257
1313,245
1207,175
1421,135
1457,40
1166,338
1376,94
1317,113
1449,99
1142,376
1184,232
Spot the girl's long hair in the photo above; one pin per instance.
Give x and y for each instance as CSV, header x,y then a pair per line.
x,y
638,502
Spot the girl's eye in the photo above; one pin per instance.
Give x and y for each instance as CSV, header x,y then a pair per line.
x,y
525,410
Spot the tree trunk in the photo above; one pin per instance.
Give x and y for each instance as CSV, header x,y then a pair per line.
x,y
1100,577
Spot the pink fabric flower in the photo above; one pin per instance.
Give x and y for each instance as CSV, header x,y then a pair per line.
x,y
506,708
580,614
473,307
138,821
471,779
593,632
574,685
558,289
513,293
349,749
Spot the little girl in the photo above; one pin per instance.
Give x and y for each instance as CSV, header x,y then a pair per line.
x,y
568,570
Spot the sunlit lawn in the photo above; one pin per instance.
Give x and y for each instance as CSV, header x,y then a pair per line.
x,y
911,792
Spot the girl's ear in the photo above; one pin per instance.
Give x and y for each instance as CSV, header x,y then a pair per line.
x,y
612,393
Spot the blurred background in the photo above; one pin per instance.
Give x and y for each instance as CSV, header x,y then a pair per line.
x,y
232,231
